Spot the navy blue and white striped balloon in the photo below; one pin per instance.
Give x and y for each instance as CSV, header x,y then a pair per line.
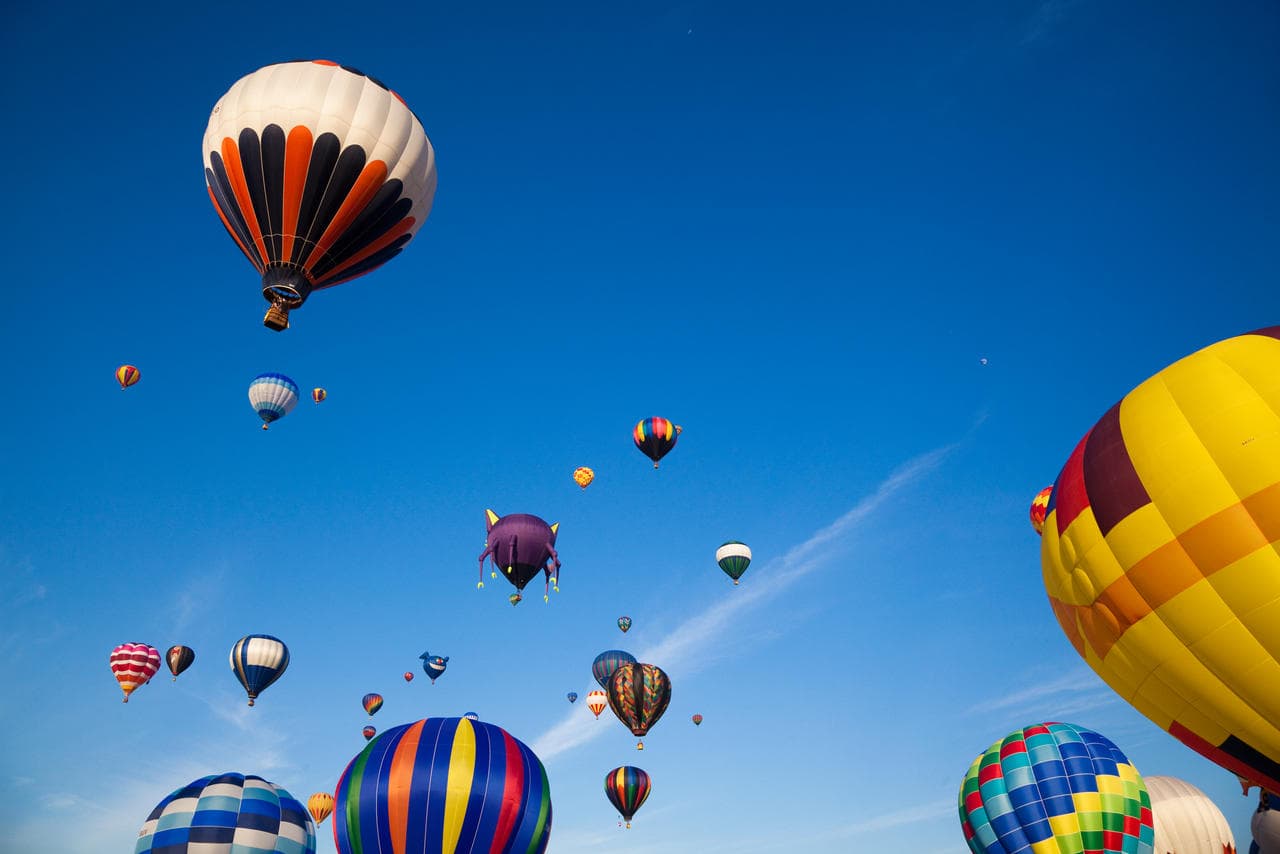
x,y
229,812
273,396
258,661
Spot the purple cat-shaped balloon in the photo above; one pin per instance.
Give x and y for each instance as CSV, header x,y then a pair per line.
x,y
521,546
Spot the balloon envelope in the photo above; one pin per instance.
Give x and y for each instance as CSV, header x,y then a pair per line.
x,y
179,659
258,661
318,394
624,623
1161,552
369,732
573,696
638,695
596,701
1057,788
1186,821
320,805
734,558
583,476
319,174
1039,508
655,437
127,375
607,662
133,665
443,784
627,788
371,703
272,396
1265,826
228,814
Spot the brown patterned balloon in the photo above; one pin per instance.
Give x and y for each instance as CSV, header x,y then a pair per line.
x,y
638,695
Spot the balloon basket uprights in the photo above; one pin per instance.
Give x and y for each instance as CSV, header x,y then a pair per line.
x,y
276,319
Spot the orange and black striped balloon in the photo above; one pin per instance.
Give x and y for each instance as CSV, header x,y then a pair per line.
x,y
319,173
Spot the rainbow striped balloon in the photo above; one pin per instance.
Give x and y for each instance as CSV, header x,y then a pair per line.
x,y
443,786
1055,788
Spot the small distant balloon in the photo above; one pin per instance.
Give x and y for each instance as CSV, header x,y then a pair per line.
x,y
596,701
982,361
624,623
434,665
133,665
371,703
408,677
697,720
273,396
369,732
179,659
583,476
318,394
320,805
471,716
733,558
1040,509
127,375
573,696
655,437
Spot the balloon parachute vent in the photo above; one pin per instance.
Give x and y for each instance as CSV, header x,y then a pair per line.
x,y
276,319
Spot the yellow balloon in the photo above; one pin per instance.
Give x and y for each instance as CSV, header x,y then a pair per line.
x,y
583,476
320,805
1161,552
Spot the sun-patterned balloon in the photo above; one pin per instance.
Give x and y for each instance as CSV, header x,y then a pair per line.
x,y
1161,552
583,476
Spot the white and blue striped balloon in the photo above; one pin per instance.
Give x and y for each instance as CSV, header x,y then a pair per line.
x,y
229,812
258,661
273,396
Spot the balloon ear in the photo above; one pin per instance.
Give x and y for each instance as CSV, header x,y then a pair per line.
x,y
490,519
555,528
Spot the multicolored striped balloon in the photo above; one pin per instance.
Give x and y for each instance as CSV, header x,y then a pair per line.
x,y
228,814
133,665
127,375
607,662
318,394
1161,552
272,396
369,732
371,703
1055,788
443,786
627,788
1040,508
655,437
258,661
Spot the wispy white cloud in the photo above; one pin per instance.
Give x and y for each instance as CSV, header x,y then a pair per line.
x,y
1077,691
788,841
680,650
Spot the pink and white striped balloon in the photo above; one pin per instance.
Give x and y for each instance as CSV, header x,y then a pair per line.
x,y
133,664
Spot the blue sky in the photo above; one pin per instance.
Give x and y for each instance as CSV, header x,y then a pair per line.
x,y
795,229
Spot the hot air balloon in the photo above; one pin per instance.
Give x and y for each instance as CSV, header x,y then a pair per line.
x,y
320,805
583,476
133,665
1265,826
655,437
697,720
1039,508
1055,787
408,677
607,662
434,665
573,696
471,716
1161,552
444,785
368,732
179,659
627,788
734,558
127,375
624,623
273,396
371,703
318,394
319,173
521,546
1186,821
258,661
226,813
596,701
638,695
